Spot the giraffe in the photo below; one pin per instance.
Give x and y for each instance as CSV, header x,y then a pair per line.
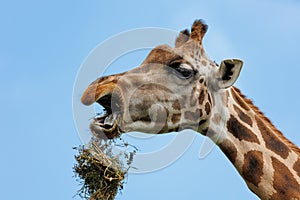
x,y
181,88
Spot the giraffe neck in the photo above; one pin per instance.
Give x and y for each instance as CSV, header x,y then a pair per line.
x,y
268,162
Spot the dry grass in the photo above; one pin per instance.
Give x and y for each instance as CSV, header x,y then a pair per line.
x,y
101,170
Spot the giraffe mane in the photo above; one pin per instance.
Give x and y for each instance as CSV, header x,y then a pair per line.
x,y
262,116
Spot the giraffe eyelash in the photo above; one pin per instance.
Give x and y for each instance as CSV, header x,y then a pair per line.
x,y
181,72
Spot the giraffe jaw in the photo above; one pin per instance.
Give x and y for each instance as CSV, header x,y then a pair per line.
x,y
101,127
106,125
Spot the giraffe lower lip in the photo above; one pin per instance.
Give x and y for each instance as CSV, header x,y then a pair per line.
x,y
105,126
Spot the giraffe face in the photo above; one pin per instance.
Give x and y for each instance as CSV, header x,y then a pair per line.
x,y
170,91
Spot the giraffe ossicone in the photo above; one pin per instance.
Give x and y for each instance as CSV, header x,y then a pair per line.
x,y
181,88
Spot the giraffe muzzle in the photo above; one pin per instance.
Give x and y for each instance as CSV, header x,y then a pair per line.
x,y
104,92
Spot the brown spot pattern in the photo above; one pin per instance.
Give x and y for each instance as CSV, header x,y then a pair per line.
x,y
193,116
244,117
284,182
207,108
201,97
202,51
239,100
176,118
229,150
297,167
140,112
253,167
210,133
272,141
176,105
203,62
239,131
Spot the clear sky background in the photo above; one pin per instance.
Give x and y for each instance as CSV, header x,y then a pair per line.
x,y
43,44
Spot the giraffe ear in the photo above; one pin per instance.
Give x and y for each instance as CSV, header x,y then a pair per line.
x,y
182,38
229,71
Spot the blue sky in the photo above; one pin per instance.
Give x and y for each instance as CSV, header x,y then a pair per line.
x,y
43,45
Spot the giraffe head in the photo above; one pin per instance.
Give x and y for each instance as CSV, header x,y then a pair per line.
x,y
173,89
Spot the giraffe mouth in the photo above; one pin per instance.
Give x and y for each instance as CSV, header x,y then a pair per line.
x,y
106,125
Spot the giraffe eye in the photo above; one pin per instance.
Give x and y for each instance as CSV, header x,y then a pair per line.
x,y
182,73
